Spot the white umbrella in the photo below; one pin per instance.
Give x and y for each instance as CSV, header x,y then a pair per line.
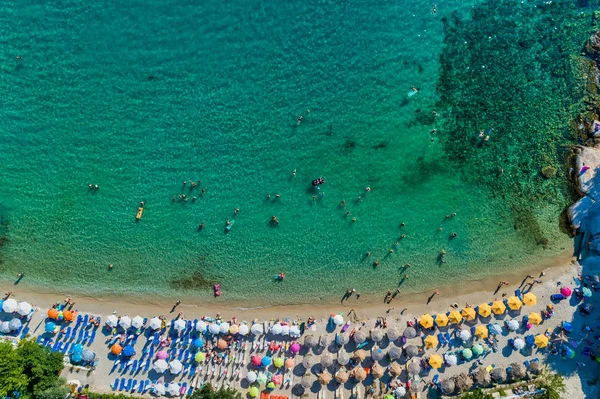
x,y
201,326
513,325
251,377
4,327
519,344
160,366
452,360
125,322
294,332
159,389
175,366
24,308
112,320
155,323
179,325
10,305
173,389
285,330
244,329
214,328
14,324
224,328
137,322
338,320
256,329
400,392
276,329
465,335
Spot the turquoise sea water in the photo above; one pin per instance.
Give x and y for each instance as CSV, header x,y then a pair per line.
x,y
138,98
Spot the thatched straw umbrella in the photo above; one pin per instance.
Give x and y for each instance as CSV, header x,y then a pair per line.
x,y
411,350
415,387
447,387
410,332
518,371
343,358
324,378
308,361
359,373
341,376
325,341
498,375
343,339
395,369
463,382
393,333
376,335
414,368
395,353
310,341
307,381
360,355
377,371
534,368
483,378
326,360
360,337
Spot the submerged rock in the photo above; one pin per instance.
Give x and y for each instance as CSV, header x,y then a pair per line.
x,y
593,45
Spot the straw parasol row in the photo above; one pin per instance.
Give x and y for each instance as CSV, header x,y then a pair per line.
x,y
447,387
377,371
463,382
483,378
324,377
498,375
376,335
518,371
359,373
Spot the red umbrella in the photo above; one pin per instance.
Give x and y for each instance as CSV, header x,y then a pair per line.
x,y
295,348
277,379
256,361
566,291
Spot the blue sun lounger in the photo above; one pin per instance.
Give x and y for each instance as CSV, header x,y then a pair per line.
x,y
79,320
121,367
85,320
115,384
134,385
129,382
86,336
146,386
180,357
122,384
24,332
190,391
134,366
141,387
80,336
92,338
147,366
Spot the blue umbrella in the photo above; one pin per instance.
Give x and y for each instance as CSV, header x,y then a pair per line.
x,y
266,360
567,326
128,351
50,326
198,342
76,357
530,340
77,348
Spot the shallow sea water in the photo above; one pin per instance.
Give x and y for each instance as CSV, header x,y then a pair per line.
x,y
139,98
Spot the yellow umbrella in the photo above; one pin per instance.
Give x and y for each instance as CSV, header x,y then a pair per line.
x,y
529,299
535,318
514,303
498,307
431,341
541,341
469,314
426,321
441,320
481,331
436,361
455,317
485,310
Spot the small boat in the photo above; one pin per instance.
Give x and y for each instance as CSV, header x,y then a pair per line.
x,y
140,211
217,290
318,182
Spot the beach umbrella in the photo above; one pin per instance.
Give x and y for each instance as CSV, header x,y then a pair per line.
x,y
256,360
77,348
409,332
213,328
251,377
395,353
451,360
341,376
519,344
244,329
278,362
498,307
295,347
175,366
310,341
360,337
285,330
266,361
338,320
24,308
541,341
50,327
485,310
173,389
87,355
343,358
253,392
400,392
376,335
159,389
436,361
5,327
482,377
455,317
307,381
271,384
481,331
162,355
586,292
465,335
289,363
69,315
426,321
360,355
276,329
359,373
568,327
294,332
160,366
534,367
324,377
477,349
137,322
112,321
223,328
155,323
116,349
262,378
467,353
14,324
411,350
199,357
431,341
468,314
513,325
535,318
52,313
414,368
10,305
201,326
128,351
441,320
308,361
222,344
517,371
393,333
495,329
342,339
75,357
463,382
326,361
529,299
447,387
179,325
377,354
395,369
377,371
325,341
566,291
198,342
514,303
125,322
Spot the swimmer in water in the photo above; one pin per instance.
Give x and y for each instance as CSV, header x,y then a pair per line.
x,y
434,9
201,226
294,173
274,220
300,118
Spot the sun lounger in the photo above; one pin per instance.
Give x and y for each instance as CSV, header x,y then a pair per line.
x,y
129,382
518,294
121,367
146,386
134,385
86,336
92,337
180,357
134,366
79,320
441,339
141,387
80,336
115,384
436,378
190,391
526,363
24,332
147,366
122,384
85,320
